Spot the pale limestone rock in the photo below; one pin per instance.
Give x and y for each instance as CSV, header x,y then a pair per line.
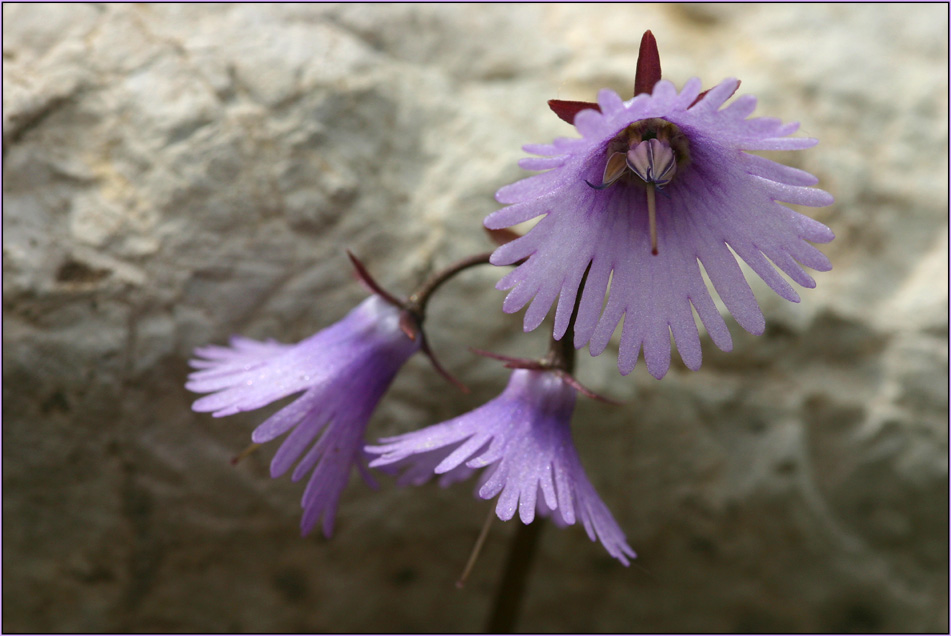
x,y
174,174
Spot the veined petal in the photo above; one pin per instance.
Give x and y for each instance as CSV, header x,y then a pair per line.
x,y
773,171
341,373
528,188
513,215
541,149
740,109
813,197
688,94
541,163
717,96
524,445
610,102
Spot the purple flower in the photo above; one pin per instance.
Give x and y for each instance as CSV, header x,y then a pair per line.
x,y
343,372
523,439
598,204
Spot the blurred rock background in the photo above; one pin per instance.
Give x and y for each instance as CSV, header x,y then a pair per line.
x,y
173,174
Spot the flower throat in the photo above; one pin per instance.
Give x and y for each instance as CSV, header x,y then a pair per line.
x,y
648,152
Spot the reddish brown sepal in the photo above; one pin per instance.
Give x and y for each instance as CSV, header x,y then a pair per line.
x,y
510,362
424,346
704,94
544,365
371,284
648,65
583,390
567,110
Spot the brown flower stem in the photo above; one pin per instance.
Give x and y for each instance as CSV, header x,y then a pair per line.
x,y
508,598
414,308
417,301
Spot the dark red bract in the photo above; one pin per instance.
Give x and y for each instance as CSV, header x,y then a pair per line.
x,y
646,76
648,65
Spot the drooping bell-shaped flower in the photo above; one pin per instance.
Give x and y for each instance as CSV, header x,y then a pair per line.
x,y
340,372
522,440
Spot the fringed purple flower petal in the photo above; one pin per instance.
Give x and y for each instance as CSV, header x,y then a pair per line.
x,y
343,372
723,203
523,439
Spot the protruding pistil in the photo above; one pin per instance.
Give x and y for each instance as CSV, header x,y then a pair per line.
x,y
652,218
655,163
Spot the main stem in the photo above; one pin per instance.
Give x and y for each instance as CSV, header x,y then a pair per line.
x,y
508,598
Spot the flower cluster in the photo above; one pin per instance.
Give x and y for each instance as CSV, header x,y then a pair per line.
x,y
657,191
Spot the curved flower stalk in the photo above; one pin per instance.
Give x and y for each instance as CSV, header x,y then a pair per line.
x,y
523,440
597,199
343,372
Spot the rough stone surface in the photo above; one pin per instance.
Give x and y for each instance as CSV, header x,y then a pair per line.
x,y
174,174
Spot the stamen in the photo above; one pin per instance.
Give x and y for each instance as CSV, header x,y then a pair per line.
x,y
652,217
247,451
614,168
476,549
653,161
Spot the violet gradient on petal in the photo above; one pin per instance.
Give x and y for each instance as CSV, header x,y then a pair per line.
x,y
340,372
724,201
522,440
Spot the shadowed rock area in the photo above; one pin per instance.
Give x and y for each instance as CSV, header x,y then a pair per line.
x,y
176,174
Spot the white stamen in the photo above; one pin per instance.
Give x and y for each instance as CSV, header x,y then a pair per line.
x,y
613,169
